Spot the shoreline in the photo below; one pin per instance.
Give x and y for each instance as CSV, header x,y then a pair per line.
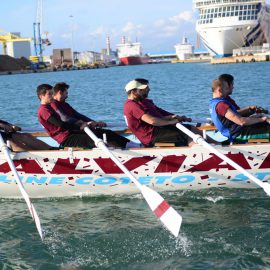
x,y
16,72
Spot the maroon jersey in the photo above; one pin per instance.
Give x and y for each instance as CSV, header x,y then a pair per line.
x,y
57,133
133,111
67,113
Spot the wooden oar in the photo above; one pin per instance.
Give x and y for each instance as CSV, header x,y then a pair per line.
x,y
31,207
199,139
168,216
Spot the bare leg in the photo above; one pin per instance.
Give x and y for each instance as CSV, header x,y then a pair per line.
x,y
17,146
26,142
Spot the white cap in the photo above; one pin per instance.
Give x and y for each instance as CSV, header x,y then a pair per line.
x,y
135,85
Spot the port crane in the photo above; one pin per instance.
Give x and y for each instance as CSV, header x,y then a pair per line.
x,y
39,42
6,37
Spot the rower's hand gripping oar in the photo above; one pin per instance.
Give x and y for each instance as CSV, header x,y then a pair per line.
x,y
168,216
198,139
31,207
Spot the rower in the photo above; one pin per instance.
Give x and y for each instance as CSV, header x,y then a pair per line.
x,y
247,111
149,123
65,126
230,122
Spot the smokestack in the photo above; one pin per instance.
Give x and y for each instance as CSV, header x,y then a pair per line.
x,y
184,41
123,41
108,45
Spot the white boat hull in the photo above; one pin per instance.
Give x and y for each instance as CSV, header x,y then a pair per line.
x,y
222,40
90,173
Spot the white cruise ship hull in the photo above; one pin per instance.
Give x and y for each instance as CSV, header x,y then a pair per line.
x,y
227,25
221,41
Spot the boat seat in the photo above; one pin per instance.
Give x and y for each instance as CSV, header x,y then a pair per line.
x,y
74,149
163,144
258,141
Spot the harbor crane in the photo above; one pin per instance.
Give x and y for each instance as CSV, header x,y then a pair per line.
x,y
6,37
39,42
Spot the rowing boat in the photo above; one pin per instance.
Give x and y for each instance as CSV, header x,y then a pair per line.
x,y
77,172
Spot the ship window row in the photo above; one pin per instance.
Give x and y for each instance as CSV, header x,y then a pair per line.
x,y
229,14
214,2
241,18
231,9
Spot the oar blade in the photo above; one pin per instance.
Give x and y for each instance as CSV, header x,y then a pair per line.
x,y
161,208
266,188
172,221
36,220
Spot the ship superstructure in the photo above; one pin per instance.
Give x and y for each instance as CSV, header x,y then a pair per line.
x,y
224,25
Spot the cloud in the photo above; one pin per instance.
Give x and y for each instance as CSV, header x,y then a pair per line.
x,y
160,23
186,16
173,25
158,35
99,31
131,28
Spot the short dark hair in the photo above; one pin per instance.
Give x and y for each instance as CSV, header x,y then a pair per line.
x,y
215,84
141,80
61,86
227,78
43,88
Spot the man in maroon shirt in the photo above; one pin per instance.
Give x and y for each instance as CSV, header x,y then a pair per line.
x,y
68,133
49,119
149,123
69,115
66,112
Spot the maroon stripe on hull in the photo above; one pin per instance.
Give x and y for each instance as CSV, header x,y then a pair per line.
x,y
134,60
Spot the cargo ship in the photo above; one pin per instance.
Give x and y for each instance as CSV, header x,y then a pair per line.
x,y
224,25
131,53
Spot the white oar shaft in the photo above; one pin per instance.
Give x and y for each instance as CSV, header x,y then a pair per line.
x,y
100,144
198,139
169,217
30,206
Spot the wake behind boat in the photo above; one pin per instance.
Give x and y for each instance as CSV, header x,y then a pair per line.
x,y
71,172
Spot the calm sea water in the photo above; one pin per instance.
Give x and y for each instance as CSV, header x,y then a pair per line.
x,y
222,229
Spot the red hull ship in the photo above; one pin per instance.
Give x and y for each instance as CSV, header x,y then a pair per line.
x,y
131,53
134,60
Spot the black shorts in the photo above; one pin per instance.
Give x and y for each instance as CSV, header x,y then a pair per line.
x,y
78,140
171,134
257,131
81,139
5,136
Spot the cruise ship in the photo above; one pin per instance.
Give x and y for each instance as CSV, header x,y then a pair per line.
x,y
224,25
130,53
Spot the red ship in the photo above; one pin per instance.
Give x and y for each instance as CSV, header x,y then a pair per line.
x,y
131,53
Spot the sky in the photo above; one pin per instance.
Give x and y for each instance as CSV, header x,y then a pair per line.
x,y
84,24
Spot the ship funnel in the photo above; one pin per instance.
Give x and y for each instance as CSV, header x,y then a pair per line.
x,y
123,40
108,45
185,40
